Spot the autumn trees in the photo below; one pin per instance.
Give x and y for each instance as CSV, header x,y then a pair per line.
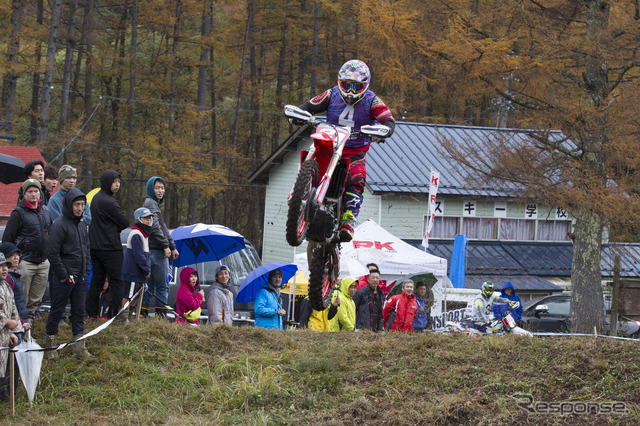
x,y
192,90
573,66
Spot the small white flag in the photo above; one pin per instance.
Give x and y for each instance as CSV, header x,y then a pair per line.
x,y
428,220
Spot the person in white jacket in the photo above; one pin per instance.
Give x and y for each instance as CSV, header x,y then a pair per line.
x,y
220,298
479,310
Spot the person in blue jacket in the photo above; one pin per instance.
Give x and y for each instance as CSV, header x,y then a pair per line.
x,y
268,304
508,292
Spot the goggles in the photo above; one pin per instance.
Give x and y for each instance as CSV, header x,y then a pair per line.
x,y
351,86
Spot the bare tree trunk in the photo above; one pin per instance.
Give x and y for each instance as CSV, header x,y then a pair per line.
x,y
133,49
203,73
174,71
45,109
9,82
248,28
314,49
214,140
587,305
35,88
68,65
275,135
87,37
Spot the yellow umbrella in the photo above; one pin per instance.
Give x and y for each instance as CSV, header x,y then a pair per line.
x,y
91,193
302,284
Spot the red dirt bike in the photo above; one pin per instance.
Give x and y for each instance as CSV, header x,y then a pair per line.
x,y
315,204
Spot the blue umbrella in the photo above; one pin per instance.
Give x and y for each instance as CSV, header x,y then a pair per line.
x,y
201,243
258,278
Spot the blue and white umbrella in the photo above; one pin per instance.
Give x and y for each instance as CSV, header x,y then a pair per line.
x,y
202,243
258,278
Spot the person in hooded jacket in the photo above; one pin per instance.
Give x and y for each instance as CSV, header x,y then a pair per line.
x,y
28,228
405,307
268,303
189,296
68,252
220,298
345,320
136,266
161,248
508,292
108,220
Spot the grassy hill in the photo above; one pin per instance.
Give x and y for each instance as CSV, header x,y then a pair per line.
x,y
158,372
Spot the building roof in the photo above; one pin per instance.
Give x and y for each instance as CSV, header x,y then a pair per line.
x,y
9,193
403,163
533,258
521,283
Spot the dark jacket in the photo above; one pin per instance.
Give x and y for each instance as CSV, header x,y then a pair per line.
x,y
160,238
108,219
28,229
136,264
18,294
68,243
369,309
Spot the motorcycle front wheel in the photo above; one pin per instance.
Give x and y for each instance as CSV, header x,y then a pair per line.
x,y
297,221
323,274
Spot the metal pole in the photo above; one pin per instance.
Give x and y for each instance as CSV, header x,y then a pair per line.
x,y
12,396
613,328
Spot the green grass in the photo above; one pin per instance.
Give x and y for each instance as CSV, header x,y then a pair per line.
x,y
158,372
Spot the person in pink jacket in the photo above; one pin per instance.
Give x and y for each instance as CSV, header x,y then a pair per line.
x,y
189,296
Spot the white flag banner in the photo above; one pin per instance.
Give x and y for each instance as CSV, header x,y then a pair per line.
x,y
428,220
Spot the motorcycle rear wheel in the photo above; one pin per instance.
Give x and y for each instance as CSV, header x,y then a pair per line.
x,y
297,221
323,275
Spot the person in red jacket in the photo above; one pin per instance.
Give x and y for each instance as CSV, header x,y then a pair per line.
x,y
405,308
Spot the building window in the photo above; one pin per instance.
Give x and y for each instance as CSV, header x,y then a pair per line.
x,y
480,228
517,229
553,230
444,227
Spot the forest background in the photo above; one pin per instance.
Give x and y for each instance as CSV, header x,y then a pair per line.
x,y
192,90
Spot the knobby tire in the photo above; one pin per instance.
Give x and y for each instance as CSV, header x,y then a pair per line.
x,y
297,223
321,282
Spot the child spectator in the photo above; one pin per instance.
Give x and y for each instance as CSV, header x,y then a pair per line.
x,y
189,297
136,266
12,254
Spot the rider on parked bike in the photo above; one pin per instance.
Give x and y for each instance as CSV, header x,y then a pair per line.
x,y
353,105
479,312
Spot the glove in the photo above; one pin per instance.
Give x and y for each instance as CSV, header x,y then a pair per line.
x,y
297,122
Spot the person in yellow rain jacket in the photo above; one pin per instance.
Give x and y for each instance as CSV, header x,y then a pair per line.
x,y
345,319
319,320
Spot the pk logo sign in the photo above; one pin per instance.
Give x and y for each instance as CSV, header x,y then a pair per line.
x,y
374,244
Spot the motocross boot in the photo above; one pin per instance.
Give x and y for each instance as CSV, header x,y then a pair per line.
x,y
352,203
52,341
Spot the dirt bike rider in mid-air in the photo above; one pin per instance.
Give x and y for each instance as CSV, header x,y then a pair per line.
x,y
353,105
479,312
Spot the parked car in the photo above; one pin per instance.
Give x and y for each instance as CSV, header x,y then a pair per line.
x,y
552,314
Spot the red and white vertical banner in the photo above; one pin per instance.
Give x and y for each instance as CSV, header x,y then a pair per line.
x,y
428,220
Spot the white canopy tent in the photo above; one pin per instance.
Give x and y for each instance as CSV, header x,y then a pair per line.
x,y
371,243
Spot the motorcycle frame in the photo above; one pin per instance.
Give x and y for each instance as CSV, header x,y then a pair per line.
x,y
339,139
